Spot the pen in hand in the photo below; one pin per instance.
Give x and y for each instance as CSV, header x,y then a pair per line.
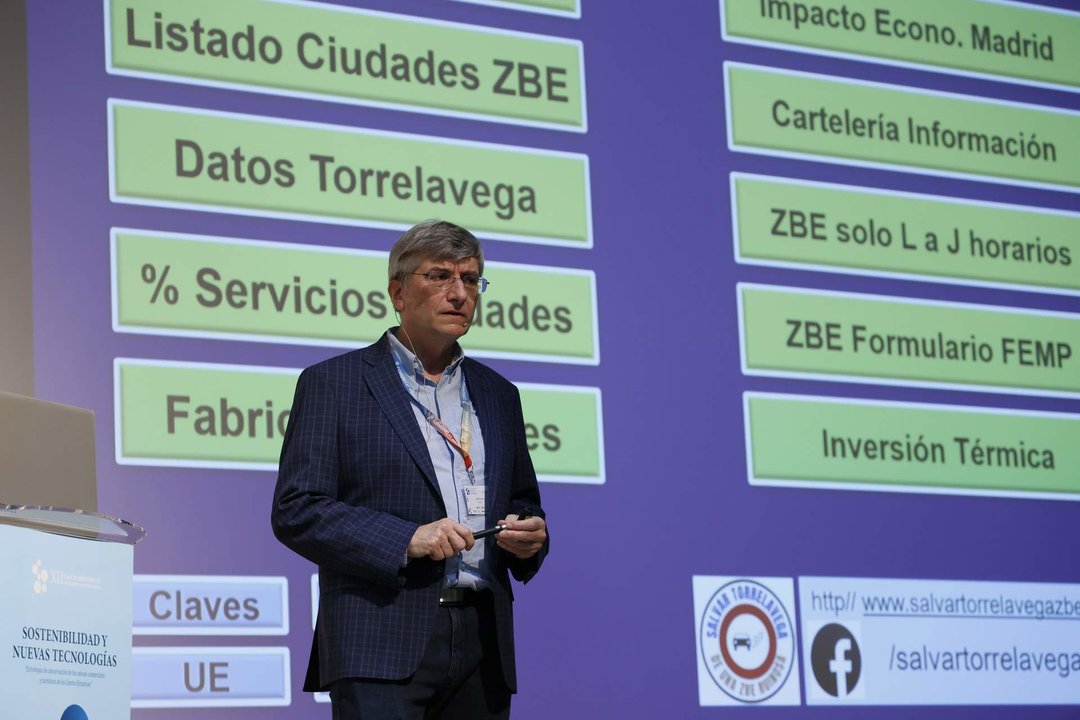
x,y
489,531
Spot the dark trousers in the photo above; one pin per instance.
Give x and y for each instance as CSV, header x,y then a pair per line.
x,y
459,677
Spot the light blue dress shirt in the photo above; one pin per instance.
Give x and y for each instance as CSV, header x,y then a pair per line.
x,y
472,568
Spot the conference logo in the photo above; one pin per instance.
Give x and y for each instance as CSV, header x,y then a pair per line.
x,y
746,640
836,660
44,578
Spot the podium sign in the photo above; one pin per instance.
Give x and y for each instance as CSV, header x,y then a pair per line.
x,y
65,618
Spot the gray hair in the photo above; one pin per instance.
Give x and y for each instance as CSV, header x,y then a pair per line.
x,y
436,239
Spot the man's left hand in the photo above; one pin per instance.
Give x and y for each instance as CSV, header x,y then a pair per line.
x,y
522,538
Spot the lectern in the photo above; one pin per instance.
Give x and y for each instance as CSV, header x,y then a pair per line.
x,y
65,613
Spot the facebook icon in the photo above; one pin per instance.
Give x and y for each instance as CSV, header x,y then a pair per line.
x,y
836,660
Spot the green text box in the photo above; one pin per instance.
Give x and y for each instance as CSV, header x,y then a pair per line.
x,y
800,114
780,221
1012,41
165,156
564,428
802,441
566,8
250,290
234,417
200,415
332,52
879,339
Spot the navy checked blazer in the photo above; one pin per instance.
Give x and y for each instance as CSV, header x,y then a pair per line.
x,y
354,483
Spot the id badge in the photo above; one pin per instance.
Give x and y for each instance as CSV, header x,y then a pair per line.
x,y
474,500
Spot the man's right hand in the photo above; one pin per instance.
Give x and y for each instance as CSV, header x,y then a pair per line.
x,y
440,540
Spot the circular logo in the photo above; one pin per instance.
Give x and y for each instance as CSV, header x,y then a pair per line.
x,y
74,712
836,660
747,641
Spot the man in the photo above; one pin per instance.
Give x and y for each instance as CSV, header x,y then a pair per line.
x,y
395,455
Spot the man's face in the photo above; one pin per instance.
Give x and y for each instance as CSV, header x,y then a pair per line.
x,y
438,315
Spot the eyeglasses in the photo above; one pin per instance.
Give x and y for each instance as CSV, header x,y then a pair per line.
x,y
442,279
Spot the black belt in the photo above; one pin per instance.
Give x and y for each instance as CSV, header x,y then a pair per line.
x,y
459,596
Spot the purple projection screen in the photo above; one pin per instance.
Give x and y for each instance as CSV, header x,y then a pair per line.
x,y
790,290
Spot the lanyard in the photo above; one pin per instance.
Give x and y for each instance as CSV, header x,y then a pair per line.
x,y
436,422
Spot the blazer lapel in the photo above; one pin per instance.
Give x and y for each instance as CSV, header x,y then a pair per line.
x,y
382,378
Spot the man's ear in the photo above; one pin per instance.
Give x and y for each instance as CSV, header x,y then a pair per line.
x,y
394,289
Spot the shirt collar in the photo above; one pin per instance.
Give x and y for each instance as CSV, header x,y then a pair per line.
x,y
408,359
